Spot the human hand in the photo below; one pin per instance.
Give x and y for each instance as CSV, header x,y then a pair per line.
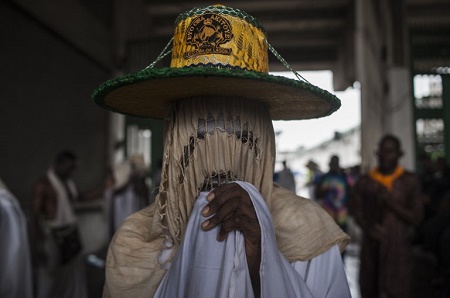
x,y
233,210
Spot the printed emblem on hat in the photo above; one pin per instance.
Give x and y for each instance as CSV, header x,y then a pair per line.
x,y
206,33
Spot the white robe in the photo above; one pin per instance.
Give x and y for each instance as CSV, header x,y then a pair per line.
x,y
124,204
205,267
64,211
15,261
54,279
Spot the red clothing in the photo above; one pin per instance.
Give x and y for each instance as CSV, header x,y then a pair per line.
x,y
385,268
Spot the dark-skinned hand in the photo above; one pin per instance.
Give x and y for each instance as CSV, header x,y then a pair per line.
x,y
233,211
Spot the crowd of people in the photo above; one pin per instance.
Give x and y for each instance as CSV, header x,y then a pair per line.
x,y
43,255
402,215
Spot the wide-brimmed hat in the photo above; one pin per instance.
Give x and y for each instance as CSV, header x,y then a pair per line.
x,y
216,51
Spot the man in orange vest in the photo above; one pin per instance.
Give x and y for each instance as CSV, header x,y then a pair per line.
x,y
387,204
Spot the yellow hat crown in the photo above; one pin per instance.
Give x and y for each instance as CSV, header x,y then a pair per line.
x,y
221,37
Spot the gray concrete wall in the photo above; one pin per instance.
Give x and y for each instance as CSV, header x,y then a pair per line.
x,y
45,104
399,111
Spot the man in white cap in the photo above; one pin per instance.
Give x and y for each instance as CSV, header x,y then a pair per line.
x,y
219,226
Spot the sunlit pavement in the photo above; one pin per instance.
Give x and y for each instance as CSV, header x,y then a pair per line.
x,y
351,262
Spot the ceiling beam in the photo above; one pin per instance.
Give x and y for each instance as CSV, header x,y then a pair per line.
x,y
91,37
165,7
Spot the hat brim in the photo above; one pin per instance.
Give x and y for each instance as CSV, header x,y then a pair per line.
x,y
146,93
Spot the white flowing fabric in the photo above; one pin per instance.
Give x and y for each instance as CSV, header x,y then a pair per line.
x,y
53,279
64,212
205,267
325,275
125,203
15,260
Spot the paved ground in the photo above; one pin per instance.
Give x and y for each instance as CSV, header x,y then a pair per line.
x,y
351,261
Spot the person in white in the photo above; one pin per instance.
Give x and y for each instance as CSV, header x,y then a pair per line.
x,y
220,227
15,261
129,192
233,252
56,241
286,178
274,241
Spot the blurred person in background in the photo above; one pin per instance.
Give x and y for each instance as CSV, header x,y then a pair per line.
x,y
436,186
56,243
129,192
433,234
313,176
387,204
15,261
332,192
285,178
353,174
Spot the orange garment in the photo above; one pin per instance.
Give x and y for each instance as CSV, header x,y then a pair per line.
x,y
386,180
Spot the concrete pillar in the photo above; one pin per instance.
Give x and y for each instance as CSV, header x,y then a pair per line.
x,y
399,112
370,74
116,140
398,109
